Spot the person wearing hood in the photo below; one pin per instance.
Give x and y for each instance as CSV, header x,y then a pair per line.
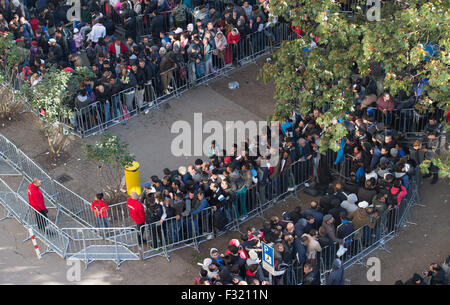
x,y
400,171
221,45
211,268
350,204
233,38
336,275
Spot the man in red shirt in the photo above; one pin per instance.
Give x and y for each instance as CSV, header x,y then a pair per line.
x,y
137,213
36,201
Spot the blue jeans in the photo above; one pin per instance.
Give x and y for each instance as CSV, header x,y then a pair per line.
x,y
105,223
187,222
107,110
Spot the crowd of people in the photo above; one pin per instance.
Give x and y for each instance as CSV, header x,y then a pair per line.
x,y
380,159
183,44
435,275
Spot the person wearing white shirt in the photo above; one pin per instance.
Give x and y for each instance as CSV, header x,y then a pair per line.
x,y
98,31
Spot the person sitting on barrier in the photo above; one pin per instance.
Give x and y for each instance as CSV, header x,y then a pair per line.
x,y
99,207
36,201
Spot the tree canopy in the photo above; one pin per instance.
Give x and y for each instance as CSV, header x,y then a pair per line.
x,y
410,43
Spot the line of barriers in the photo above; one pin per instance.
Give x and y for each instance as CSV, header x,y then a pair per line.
x,y
98,116
116,237
371,237
59,196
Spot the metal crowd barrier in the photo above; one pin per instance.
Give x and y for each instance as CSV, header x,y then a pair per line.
x,y
114,244
97,117
43,227
367,239
59,195
172,234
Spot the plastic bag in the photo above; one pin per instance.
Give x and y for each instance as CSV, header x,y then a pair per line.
x,y
233,85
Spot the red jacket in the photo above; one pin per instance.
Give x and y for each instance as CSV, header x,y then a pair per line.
x,y
112,48
399,193
233,39
389,105
136,209
35,197
99,208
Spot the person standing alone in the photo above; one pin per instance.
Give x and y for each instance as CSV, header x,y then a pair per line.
x,y
36,201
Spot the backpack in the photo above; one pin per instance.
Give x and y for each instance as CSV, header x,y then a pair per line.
x,y
392,198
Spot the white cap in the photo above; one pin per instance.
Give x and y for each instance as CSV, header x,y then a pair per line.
x,y
52,40
178,31
75,30
363,204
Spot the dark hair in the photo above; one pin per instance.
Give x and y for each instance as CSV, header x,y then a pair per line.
x,y
203,279
233,249
203,273
235,269
99,196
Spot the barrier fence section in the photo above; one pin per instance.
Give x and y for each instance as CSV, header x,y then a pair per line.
x,y
46,230
373,236
59,195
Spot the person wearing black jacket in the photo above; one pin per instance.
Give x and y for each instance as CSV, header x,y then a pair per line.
x,y
157,26
154,214
141,80
103,97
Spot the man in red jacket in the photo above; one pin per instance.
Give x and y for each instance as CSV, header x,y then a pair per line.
x,y
137,213
36,201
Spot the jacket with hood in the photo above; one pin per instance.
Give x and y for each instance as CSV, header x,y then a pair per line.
x,y
360,218
350,204
233,38
220,43
336,276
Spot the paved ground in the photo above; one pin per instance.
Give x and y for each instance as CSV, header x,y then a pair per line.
x,y
149,138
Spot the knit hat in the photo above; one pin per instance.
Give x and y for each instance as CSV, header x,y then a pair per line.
x,y
327,217
394,152
213,250
234,242
52,40
227,160
178,31
363,204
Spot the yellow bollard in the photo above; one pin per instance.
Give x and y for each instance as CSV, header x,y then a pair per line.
x,y
132,178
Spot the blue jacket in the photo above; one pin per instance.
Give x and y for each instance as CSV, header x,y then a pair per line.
x,y
340,153
203,205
